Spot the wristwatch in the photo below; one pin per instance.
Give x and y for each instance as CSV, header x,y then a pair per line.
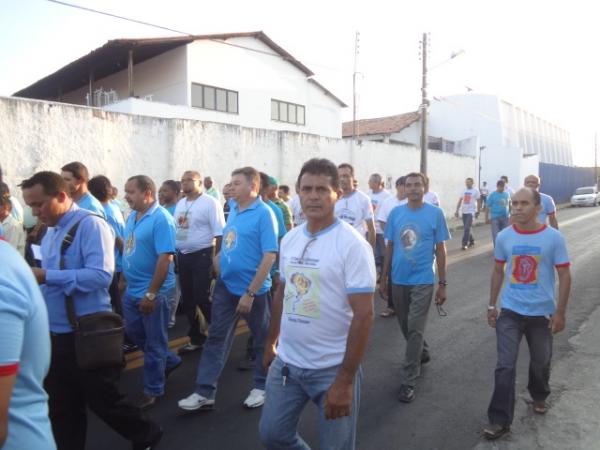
x,y
250,293
491,308
150,296
443,283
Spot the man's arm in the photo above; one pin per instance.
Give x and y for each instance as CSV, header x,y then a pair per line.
x,y
218,241
557,321
338,399
7,383
553,221
387,260
371,231
161,271
245,303
274,326
460,200
440,259
496,284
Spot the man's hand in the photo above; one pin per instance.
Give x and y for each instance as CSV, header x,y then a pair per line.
x,y
456,214
245,304
39,274
492,317
216,269
557,322
440,295
147,306
268,356
338,400
383,284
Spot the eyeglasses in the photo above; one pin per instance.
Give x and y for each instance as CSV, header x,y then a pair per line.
x,y
441,311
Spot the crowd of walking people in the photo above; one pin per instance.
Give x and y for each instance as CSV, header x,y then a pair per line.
x,y
86,277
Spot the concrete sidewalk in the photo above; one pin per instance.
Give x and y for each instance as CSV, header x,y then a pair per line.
x,y
573,421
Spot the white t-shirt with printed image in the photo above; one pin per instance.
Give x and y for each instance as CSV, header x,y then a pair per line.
x,y
383,212
297,212
354,209
469,200
376,201
319,272
198,222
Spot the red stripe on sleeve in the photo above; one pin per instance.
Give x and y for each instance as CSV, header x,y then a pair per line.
x,y
567,264
8,370
500,261
551,213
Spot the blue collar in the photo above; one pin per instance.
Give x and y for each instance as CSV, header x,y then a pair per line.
x,y
252,205
148,212
350,195
320,232
66,217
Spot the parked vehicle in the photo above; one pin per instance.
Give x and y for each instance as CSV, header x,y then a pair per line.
x,y
586,196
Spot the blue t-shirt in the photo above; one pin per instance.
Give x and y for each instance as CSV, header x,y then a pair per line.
x,y
415,233
498,204
89,267
248,235
531,257
24,351
91,203
145,240
171,209
114,217
548,208
280,220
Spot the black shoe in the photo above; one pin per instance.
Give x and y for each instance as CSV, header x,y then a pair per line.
x,y
425,358
407,394
147,402
128,347
494,431
248,363
170,370
151,444
471,244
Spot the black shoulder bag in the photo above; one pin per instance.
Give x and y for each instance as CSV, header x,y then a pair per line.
x,y
98,336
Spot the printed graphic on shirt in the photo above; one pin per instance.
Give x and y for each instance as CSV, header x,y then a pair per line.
x,y
302,289
183,221
130,244
525,264
347,215
230,240
467,198
409,236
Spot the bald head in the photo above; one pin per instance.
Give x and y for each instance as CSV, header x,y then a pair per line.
x,y
532,182
529,194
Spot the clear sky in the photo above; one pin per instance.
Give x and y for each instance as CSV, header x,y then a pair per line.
x,y
539,55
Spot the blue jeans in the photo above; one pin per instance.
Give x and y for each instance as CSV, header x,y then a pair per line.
x,y
467,238
498,224
278,426
220,338
149,332
379,250
510,328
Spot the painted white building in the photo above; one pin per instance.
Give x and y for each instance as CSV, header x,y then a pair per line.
x,y
507,139
237,78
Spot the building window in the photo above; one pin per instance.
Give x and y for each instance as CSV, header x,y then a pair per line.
x,y
287,112
217,99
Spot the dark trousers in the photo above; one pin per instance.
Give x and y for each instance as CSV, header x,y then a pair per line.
x,y
71,389
115,295
194,281
467,224
510,328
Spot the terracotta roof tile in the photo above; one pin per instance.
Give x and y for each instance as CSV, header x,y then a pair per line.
x,y
381,125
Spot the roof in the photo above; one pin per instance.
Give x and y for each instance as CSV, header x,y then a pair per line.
x,y
380,125
113,57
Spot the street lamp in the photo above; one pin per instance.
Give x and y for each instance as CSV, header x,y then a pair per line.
x,y
425,102
479,162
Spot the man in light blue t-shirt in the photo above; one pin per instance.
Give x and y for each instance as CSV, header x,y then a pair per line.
x,y
498,206
547,212
416,233
76,175
150,280
527,254
248,251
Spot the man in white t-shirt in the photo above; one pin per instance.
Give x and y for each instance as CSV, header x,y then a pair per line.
x,y
199,220
430,196
469,205
378,195
324,301
381,217
354,207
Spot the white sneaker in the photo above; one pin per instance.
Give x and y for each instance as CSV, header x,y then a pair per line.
x,y
195,402
255,399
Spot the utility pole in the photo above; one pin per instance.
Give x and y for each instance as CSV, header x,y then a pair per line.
x,y
596,157
354,124
424,105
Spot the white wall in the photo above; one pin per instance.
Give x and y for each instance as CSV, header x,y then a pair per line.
x,y
163,77
258,78
38,135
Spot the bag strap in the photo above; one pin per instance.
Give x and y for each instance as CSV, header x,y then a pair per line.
x,y
66,243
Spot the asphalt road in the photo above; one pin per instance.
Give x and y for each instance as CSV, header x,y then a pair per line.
x,y
452,395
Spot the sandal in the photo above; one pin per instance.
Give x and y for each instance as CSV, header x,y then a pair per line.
x,y
540,407
494,431
388,313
